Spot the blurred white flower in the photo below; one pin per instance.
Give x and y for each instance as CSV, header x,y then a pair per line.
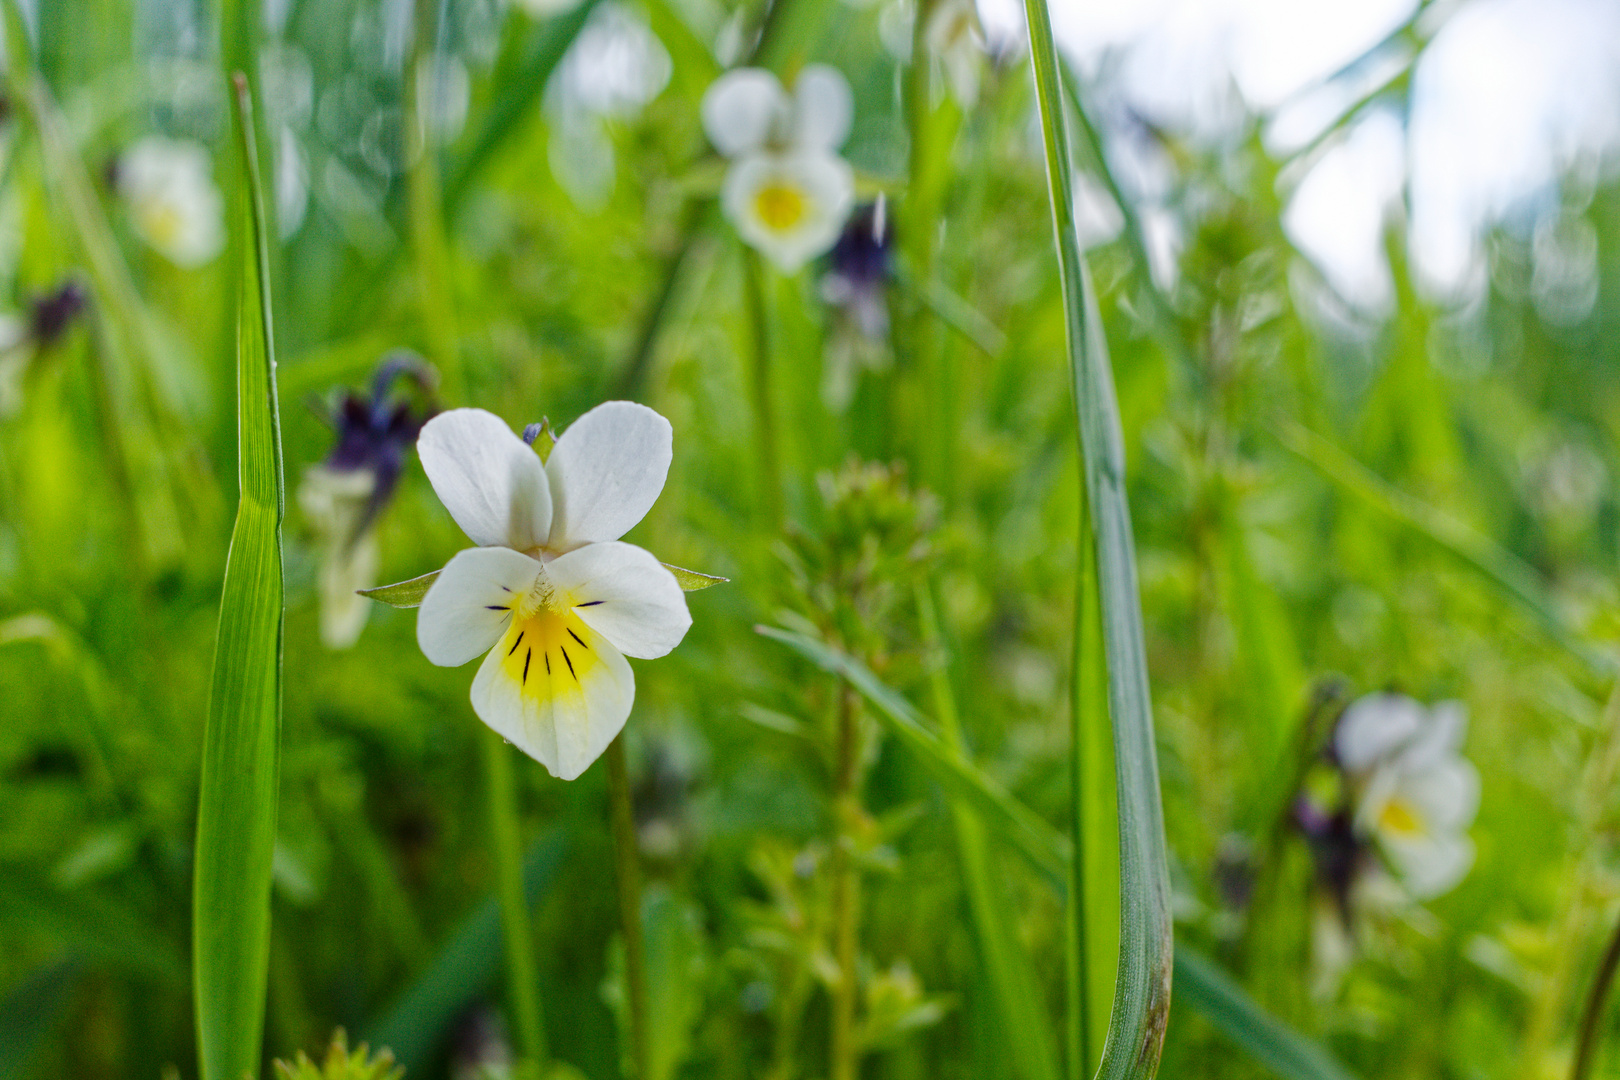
x,y
337,503
344,494
550,593
175,206
1416,795
788,192
956,37
545,9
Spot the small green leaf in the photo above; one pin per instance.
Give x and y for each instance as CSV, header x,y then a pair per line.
x,y
403,594
692,581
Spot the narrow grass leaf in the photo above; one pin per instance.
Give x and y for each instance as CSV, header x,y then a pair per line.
x,y
462,971
1046,849
1209,991
236,817
1141,1003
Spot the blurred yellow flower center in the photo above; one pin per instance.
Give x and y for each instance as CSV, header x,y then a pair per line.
x,y
1398,817
161,221
780,206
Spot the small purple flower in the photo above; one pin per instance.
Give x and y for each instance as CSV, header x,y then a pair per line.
x,y
1339,853
55,311
860,266
376,434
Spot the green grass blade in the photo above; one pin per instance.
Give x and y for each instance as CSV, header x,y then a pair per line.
x,y
236,817
465,969
1208,990
1142,987
30,1010
1046,849
1516,578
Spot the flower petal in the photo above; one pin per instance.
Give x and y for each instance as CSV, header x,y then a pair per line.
x,y
561,708
1431,865
624,594
790,206
468,607
492,484
1446,795
1373,727
823,108
741,108
606,472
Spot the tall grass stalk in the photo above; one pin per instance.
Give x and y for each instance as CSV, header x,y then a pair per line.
x,y
759,329
434,282
846,885
236,816
1141,1000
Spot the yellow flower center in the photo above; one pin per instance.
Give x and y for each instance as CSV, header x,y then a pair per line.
x,y
1399,817
549,652
780,206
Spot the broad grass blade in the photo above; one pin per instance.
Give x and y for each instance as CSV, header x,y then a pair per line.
x,y
236,816
1141,1004
1210,992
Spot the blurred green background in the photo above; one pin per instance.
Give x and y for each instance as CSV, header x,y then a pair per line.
x,y
1333,493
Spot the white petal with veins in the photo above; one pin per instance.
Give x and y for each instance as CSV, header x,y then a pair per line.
x,y
563,715
743,110
489,480
606,471
470,605
624,594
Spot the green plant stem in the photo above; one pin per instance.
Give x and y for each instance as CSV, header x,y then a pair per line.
x,y
1587,1040
632,381
846,889
770,471
522,981
627,858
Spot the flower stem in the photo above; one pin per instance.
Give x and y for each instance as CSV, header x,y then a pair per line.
x,y
764,415
428,243
522,982
846,892
1586,1044
628,860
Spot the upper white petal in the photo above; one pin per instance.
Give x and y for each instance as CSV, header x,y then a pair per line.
x,y
1440,738
823,108
561,721
1375,726
466,610
822,179
492,484
606,472
624,594
742,109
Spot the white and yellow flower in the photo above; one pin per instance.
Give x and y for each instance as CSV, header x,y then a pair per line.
x,y
173,201
550,593
788,192
1416,795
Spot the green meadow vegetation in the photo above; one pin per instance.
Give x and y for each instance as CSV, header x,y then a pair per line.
x,y
1094,668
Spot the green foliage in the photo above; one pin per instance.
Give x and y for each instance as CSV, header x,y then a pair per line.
x,y
1324,501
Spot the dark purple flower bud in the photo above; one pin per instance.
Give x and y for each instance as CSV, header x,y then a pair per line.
x,y
859,269
376,433
55,311
1339,853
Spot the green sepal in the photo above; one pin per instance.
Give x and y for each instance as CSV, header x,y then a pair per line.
x,y
691,580
402,594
